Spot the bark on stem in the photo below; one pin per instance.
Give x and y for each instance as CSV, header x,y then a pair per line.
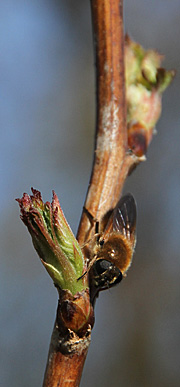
x,y
112,160
110,168
67,354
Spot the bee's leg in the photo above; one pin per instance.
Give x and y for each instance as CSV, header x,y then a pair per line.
x,y
90,216
97,227
82,275
94,223
92,220
89,267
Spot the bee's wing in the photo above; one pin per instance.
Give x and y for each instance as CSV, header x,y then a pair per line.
x,y
124,217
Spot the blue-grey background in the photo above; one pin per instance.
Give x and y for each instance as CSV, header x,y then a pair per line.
x,y
47,118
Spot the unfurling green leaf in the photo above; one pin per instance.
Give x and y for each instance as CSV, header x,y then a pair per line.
x,y
54,241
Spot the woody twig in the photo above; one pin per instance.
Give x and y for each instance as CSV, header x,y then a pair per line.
x,y
110,151
124,129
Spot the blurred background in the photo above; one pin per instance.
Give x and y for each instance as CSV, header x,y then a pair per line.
x,y
47,120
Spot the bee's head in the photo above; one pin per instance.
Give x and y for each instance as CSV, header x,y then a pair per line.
x,y
104,275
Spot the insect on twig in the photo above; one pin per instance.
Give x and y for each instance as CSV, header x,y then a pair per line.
x,y
113,248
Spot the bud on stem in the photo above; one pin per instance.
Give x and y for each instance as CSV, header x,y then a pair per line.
x,y
145,83
60,254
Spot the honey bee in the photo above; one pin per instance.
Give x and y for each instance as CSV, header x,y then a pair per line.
x,y
114,247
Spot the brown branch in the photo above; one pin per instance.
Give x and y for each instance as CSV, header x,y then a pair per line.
x,y
66,359
112,162
53,240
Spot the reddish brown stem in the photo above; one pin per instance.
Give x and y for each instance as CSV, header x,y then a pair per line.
x,y
66,359
110,168
111,134
111,159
